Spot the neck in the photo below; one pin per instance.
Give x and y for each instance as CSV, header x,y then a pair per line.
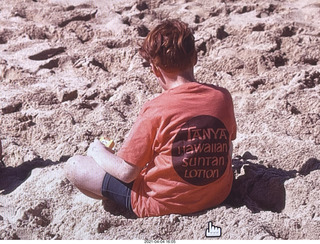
x,y
172,80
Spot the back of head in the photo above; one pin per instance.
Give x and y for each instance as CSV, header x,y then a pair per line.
x,y
170,46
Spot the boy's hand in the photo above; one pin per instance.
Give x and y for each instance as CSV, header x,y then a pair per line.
x,y
96,147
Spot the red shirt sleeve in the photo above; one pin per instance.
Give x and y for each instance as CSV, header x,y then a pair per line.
x,y
137,147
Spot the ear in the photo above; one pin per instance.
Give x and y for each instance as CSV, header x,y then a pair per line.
x,y
155,70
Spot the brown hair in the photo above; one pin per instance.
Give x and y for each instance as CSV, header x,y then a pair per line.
x,y
170,46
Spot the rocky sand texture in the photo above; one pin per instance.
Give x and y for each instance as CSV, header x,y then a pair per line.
x,y
70,71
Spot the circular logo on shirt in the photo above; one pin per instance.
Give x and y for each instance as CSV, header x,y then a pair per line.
x,y
200,150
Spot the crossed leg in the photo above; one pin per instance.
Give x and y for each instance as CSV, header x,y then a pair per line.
x,y
86,175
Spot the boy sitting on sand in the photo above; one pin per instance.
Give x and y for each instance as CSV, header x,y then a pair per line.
x,y
177,157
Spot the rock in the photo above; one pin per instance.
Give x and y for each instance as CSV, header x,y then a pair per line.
x,y
221,34
142,6
91,94
288,31
48,53
142,30
78,16
11,108
5,35
54,63
258,27
65,95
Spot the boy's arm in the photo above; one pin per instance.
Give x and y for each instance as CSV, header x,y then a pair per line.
x,y
111,163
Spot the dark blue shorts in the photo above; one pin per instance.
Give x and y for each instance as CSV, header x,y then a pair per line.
x,y
118,191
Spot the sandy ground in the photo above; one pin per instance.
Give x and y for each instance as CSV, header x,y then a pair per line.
x,y
70,72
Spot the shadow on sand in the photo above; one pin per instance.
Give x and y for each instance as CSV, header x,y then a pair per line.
x,y
261,188
12,177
